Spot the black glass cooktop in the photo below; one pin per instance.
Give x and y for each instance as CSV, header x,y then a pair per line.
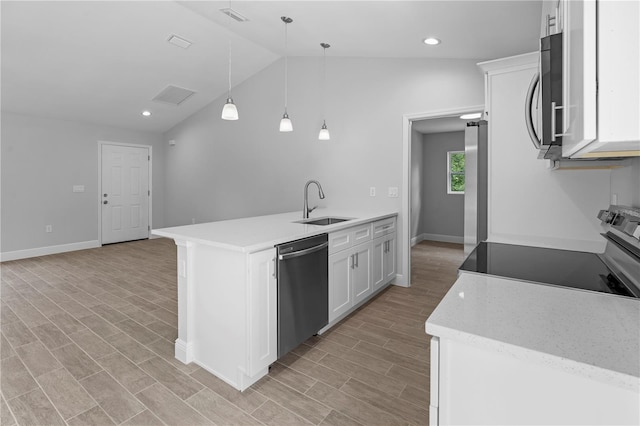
x,y
564,268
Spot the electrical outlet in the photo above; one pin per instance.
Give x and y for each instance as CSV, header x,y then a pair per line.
x,y
393,192
48,228
372,191
193,220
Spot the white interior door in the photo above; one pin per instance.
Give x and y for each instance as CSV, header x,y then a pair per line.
x,y
125,193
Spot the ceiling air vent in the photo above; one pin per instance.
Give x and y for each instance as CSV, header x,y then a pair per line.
x,y
173,95
179,41
234,14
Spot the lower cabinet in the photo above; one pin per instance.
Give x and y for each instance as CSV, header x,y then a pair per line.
x,y
361,270
262,329
340,283
384,260
349,279
357,268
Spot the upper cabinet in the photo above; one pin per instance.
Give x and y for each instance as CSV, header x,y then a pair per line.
x,y
601,77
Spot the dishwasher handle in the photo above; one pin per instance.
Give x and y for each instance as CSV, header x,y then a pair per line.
x,y
303,252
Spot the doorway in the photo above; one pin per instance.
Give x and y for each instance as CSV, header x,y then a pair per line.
x,y
408,196
125,192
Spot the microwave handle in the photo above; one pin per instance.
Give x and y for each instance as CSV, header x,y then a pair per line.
x,y
554,109
527,111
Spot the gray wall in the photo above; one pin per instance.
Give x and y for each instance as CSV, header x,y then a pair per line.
x,y
417,179
442,213
218,170
41,160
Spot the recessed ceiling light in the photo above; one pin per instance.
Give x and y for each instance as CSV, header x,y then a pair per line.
x,y
471,116
431,41
146,113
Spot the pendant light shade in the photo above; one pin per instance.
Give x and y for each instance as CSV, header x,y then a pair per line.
x,y
324,132
229,111
285,123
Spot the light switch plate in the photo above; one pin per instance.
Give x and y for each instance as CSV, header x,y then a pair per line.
x,y
372,191
393,192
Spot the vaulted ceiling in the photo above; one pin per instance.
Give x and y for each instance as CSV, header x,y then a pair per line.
x,y
104,62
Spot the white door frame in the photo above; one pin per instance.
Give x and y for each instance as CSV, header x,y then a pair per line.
x,y
132,145
407,120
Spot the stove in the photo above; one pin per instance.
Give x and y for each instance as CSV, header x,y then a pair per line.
x,y
616,271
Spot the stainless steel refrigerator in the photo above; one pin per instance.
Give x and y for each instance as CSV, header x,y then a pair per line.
x,y
475,185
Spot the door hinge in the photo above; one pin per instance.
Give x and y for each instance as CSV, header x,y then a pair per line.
x,y
148,227
149,192
148,158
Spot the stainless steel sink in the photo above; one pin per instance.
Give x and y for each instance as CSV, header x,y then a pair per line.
x,y
324,221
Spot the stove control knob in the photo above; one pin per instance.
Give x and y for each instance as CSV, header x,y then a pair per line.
x,y
636,233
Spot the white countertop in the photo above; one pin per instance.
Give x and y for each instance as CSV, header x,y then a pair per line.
x,y
254,234
587,333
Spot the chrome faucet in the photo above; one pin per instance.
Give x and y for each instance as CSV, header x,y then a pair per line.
x,y
306,210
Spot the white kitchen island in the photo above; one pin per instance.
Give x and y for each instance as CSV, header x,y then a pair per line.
x,y
513,352
227,305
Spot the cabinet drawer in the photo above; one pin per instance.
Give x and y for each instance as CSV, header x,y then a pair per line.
x,y
384,227
349,237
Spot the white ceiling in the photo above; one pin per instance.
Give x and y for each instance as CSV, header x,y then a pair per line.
x,y
103,62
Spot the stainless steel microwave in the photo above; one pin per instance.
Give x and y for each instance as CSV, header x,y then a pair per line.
x,y
545,91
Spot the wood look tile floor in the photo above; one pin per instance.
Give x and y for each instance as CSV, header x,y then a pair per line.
x,y
87,339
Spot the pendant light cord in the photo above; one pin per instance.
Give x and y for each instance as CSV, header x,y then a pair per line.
x,y
229,29
229,91
324,81
286,66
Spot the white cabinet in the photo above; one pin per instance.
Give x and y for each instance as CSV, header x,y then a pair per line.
x,y
473,385
384,260
340,284
349,279
262,337
227,311
601,78
359,266
361,270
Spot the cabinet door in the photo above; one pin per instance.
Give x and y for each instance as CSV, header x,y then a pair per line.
x,y
362,283
378,262
390,259
262,312
340,300
579,76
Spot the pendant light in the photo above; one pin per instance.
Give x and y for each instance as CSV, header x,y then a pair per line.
x,y
285,123
229,111
324,132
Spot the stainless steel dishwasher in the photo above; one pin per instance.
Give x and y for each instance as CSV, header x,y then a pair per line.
x,y
303,294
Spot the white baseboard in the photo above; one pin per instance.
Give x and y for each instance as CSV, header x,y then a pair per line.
x,y
43,251
437,237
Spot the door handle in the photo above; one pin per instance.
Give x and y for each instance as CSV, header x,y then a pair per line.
x,y
105,195
105,202
356,259
352,258
303,252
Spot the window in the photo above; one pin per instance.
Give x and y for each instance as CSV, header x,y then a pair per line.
x,y
455,172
